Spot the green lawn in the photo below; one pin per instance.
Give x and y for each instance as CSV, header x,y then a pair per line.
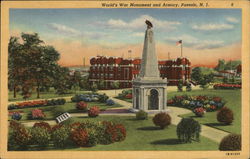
x,y
143,135
43,95
125,99
233,99
52,112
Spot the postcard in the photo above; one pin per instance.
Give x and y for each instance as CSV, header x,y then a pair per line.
x,y
124,79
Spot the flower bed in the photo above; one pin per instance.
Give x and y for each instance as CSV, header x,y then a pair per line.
x,y
38,103
208,103
227,86
92,97
199,111
37,114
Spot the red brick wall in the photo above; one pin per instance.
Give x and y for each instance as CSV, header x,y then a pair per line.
x,y
112,69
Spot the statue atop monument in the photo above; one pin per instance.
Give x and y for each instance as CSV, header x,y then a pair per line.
x,y
149,24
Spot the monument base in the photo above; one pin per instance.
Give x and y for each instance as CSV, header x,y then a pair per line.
x,y
133,110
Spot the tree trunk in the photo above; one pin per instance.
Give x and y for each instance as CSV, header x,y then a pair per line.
x,y
14,92
38,90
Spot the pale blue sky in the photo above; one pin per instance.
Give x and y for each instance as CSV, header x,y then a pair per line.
x,y
198,28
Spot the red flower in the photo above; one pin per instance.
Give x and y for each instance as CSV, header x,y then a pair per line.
x,y
217,99
37,114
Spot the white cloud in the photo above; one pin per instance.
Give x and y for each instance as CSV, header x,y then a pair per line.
x,y
232,20
212,27
208,44
139,23
195,43
63,29
73,32
138,34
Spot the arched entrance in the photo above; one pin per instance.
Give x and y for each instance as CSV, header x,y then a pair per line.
x,y
153,100
136,99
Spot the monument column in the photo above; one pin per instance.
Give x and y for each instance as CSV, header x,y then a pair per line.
x,y
151,86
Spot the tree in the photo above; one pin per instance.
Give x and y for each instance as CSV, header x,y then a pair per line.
x,y
220,66
196,74
15,64
94,87
232,65
188,87
101,84
62,80
84,83
31,61
115,85
205,80
76,79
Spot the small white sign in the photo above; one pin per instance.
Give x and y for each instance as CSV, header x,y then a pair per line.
x,y
63,117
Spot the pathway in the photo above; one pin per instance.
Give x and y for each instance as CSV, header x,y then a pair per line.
x,y
206,131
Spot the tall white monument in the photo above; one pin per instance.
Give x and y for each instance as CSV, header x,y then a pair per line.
x,y
149,89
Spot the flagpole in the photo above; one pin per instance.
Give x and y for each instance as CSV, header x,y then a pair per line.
x,y
181,47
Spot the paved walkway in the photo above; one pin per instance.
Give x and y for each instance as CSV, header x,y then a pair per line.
x,y
111,93
206,131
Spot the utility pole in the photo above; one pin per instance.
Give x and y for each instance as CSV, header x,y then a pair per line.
x,y
83,61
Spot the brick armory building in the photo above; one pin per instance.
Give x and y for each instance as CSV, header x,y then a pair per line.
x,y
111,69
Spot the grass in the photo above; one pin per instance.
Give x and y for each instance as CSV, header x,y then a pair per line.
x,y
143,135
233,98
43,95
125,99
52,112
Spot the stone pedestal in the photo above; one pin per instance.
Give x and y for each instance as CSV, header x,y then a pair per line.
x,y
149,89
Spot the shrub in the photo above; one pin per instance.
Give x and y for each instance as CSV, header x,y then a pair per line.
x,y
110,102
95,131
19,135
231,142
12,106
188,129
61,136
162,119
79,137
82,106
199,111
225,115
180,86
110,133
55,127
91,133
40,136
189,87
16,116
141,115
94,111
121,132
42,125
103,98
37,114
129,96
